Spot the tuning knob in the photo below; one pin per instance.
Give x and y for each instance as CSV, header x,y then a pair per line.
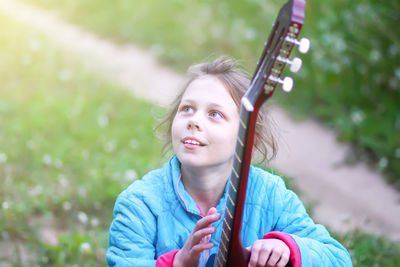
x,y
295,64
303,44
286,83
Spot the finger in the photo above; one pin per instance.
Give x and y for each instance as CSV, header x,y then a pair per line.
x,y
264,255
202,233
212,210
284,260
254,254
201,247
207,221
274,257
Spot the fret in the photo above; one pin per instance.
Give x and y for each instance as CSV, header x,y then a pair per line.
x,y
243,124
238,158
233,187
230,214
240,141
236,174
225,235
218,260
227,224
224,247
223,257
230,199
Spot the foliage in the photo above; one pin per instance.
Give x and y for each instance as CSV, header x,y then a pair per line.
x,y
352,77
370,250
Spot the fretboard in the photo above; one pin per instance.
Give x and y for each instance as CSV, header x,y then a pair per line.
x,y
237,191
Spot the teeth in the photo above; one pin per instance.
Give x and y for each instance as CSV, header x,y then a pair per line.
x,y
192,142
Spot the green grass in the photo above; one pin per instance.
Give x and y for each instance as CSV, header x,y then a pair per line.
x,y
69,143
350,79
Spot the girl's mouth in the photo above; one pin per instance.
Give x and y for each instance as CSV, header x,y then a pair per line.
x,y
191,142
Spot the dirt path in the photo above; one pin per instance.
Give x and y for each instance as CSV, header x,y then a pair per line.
x,y
344,197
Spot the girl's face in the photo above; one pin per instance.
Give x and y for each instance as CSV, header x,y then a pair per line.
x,y
206,124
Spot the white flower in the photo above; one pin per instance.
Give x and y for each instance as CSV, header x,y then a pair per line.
x,y
63,180
375,56
130,175
383,162
102,120
36,191
67,206
47,159
250,34
397,153
5,205
397,73
94,222
85,248
3,157
357,117
82,217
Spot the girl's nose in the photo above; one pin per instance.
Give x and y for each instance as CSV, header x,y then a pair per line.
x,y
193,124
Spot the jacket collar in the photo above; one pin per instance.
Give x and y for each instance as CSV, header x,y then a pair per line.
x,y
184,197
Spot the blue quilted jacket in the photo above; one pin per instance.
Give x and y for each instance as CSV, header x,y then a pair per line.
x,y
155,215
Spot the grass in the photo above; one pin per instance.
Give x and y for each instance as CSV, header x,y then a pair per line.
x,y
69,143
350,79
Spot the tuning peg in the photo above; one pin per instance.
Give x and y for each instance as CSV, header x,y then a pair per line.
x,y
295,64
303,44
286,83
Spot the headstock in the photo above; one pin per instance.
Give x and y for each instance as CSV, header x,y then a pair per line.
x,y
276,54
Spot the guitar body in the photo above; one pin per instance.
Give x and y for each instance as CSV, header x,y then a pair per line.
x,y
274,58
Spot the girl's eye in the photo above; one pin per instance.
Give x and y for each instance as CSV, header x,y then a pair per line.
x,y
187,109
216,115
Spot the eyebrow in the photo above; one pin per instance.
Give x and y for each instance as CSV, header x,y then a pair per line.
x,y
212,104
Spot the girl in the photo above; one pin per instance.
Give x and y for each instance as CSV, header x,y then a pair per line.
x,y
173,216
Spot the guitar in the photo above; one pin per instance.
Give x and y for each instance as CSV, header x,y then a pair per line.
x,y
274,58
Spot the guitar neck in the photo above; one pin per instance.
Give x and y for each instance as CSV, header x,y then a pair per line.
x,y
232,252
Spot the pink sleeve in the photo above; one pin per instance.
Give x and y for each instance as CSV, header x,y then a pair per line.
x,y
295,256
167,259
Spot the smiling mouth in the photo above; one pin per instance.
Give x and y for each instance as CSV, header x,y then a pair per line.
x,y
191,142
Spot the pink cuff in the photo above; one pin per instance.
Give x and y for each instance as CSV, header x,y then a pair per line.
x,y
295,256
167,259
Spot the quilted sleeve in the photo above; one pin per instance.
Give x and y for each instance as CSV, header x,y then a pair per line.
x,y
317,247
131,234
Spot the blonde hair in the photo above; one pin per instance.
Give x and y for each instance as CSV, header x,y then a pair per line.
x,y
236,82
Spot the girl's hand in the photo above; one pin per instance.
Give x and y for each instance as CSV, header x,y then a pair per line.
x,y
269,252
198,241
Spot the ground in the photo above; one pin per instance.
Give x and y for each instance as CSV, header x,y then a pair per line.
x,y
343,197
